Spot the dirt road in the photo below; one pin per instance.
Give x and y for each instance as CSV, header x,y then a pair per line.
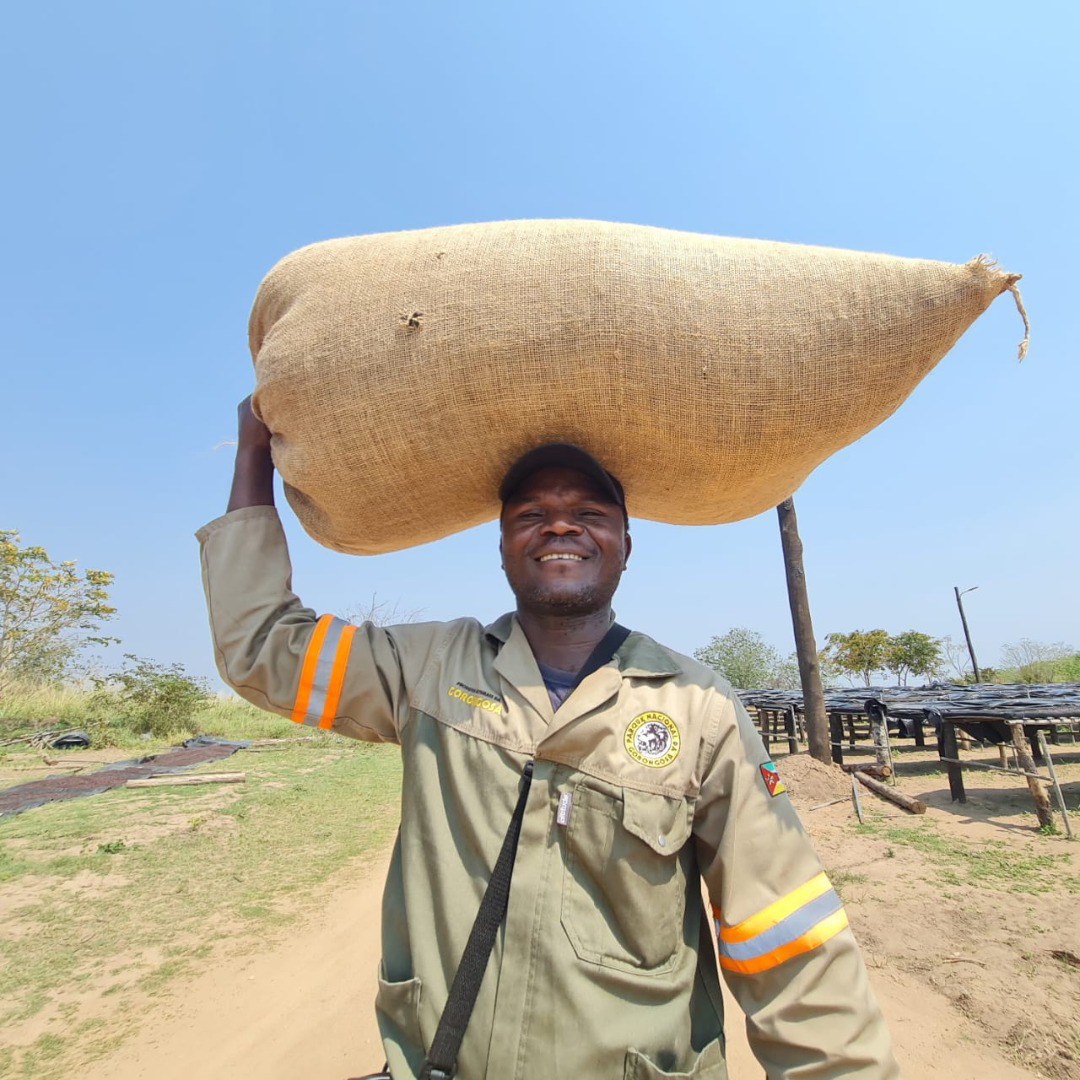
x,y
303,1009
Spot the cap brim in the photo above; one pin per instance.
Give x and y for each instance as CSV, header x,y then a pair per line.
x,y
561,456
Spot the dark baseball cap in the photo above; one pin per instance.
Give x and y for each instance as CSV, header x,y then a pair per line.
x,y
562,456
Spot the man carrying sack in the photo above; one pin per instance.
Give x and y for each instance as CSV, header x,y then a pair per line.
x,y
607,773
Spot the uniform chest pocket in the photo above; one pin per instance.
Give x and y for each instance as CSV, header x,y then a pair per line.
x,y
624,883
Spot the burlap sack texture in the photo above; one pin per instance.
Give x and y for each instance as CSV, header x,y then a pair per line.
x,y
402,373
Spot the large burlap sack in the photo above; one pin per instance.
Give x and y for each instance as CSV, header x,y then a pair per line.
x,y
402,373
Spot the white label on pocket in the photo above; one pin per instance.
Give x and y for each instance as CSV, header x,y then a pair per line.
x,y
566,801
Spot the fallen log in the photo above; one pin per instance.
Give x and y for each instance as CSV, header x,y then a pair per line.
x,y
881,772
886,792
183,781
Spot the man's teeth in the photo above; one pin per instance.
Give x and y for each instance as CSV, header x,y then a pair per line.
x,y
568,557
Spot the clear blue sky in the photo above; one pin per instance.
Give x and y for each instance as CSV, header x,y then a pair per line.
x,y
158,160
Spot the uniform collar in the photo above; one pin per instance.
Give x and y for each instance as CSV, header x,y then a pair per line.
x,y
639,656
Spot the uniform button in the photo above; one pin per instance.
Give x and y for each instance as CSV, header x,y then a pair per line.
x,y
663,840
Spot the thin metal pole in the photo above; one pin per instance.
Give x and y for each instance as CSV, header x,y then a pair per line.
x,y
967,633
1054,780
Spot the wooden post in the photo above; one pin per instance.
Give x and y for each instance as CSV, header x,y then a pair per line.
x,y
792,730
817,724
1033,742
1038,792
920,733
879,732
836,736
947,748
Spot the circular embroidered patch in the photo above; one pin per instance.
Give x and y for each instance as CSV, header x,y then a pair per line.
x,y
652,739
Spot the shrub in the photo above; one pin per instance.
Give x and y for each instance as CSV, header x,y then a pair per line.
x,y
148,698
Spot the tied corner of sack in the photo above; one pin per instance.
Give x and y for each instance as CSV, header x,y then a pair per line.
x,y
989,268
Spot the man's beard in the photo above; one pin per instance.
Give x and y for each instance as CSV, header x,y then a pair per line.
x,y
583,601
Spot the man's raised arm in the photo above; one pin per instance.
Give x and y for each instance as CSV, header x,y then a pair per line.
x,y
269,647
253,474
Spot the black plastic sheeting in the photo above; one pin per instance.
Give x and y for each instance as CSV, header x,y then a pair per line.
x,y
905,708
194,752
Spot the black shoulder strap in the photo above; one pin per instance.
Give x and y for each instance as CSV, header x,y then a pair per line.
x,y
442,1058
607,647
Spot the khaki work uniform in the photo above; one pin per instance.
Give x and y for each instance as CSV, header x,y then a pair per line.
x,y
647,779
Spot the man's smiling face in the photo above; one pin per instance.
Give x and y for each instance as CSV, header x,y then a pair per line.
x,y
564,544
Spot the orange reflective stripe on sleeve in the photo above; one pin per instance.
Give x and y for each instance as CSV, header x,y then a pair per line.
x,y
337,677
826,929
795,924
307,672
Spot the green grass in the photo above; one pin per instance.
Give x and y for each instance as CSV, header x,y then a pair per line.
x,y
167,872
28,708
843,879
990,864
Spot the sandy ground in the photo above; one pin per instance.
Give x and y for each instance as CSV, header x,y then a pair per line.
x,y
975,982
306,1009
963,999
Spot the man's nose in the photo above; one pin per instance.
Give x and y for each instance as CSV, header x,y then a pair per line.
x,y
558,523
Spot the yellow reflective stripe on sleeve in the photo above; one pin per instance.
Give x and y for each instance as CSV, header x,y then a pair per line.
x,y
828,928
337,677
307,671
775,913
804,919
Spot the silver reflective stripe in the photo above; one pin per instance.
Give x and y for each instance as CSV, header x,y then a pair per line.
x,y
323,670
785,931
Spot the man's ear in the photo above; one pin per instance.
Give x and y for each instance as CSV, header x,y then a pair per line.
x,y
626,555
502,563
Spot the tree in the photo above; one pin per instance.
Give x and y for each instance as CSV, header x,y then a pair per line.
x,y
1069,669
956,661
1035,661
862,652
912,653
743,657
380,613
830,670
786,676
48,611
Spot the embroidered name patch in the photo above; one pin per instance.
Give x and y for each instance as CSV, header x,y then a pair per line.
x,y
478,699
652,739
772,779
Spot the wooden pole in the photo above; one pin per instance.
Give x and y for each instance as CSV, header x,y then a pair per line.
x,y
1054,780
817,722
1038,792
967,633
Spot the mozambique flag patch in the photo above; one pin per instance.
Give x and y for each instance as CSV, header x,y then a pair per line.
x,y
772,779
